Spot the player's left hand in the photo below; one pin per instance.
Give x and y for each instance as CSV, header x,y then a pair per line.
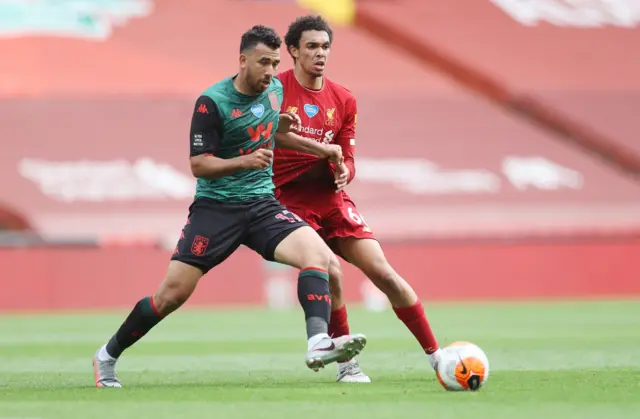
x,y
341,176
289,122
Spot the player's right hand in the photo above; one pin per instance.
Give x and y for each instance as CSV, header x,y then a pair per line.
x,y
259,159
341,175
334,153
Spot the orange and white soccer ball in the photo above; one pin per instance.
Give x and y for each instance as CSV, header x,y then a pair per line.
x,y
463,366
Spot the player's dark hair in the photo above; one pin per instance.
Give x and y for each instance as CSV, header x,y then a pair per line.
x,y
303,24
259,34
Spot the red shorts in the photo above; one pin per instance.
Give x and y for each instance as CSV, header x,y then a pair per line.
x,y
332,215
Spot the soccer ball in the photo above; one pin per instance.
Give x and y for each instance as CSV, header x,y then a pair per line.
x,y
462,366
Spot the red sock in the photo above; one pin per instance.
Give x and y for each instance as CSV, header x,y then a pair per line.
x,y
339,326
416,321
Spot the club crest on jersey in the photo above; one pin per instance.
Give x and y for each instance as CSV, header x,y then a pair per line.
x,y
275,103
330,115
311,110
258,110
199,245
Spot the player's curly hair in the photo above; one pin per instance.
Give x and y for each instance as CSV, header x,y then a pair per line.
x,y
303,24
259,34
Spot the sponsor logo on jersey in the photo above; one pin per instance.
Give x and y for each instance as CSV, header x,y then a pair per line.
x,y
352,141
258,110
312,131
328,137
203,108
236,113
330,114
311,110
292,109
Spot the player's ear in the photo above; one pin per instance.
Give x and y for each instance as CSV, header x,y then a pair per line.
x,y
295,53
243,61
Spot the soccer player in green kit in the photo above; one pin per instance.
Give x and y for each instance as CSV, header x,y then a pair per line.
x,y
232,137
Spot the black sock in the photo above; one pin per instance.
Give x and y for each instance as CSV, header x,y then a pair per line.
x,y
314,296
141,319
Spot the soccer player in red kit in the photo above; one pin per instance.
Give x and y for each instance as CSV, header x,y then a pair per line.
x,y
314,189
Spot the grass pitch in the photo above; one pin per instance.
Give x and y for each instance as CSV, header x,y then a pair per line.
x,y
555,360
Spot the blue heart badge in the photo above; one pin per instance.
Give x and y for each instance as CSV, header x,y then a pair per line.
x,y
257,110
311,110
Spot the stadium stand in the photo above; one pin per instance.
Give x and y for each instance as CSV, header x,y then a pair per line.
x,y
95,109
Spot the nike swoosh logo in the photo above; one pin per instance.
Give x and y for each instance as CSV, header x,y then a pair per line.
x,y
464,367
328,348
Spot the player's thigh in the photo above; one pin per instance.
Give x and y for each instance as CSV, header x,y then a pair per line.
x,y
213,231
366,254
303,248
280,235
295,202
345,222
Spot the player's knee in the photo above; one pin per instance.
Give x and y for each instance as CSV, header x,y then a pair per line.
x,y
318,256
385,278
168,300
176,288
170,296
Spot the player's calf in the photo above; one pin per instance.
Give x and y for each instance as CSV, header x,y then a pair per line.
x,y
339,325
368,256
348,370
387,280
315,299
407,307
142,318
335,282
178,285
305,250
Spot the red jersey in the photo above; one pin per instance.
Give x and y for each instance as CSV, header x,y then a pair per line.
x,y
328,116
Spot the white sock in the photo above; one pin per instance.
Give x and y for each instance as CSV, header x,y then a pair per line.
x,y
103,355
434,357
313,340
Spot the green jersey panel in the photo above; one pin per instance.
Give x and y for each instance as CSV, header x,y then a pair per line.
x,y
249,123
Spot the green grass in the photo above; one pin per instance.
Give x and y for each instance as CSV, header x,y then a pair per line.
x,y
556,360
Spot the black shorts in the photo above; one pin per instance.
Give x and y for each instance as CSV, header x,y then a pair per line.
x,y
216,229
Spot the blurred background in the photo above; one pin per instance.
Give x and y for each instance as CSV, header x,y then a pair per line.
x,y
498,149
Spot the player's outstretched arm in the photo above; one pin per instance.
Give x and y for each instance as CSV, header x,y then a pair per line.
x,y
295,142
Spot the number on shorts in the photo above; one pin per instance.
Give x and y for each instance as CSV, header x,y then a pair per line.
x,y
357,218
284,216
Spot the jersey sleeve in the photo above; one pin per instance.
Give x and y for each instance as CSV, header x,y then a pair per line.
x,y
206,128
347,136
280,93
